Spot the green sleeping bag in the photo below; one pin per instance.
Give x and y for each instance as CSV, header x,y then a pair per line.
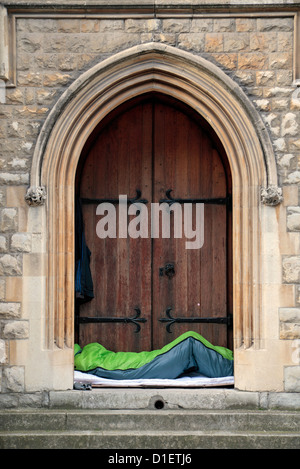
x,y
189,352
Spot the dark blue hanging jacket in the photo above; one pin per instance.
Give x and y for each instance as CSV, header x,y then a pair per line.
x,y
83,278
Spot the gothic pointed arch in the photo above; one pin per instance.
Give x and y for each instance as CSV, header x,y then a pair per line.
x,y
210,92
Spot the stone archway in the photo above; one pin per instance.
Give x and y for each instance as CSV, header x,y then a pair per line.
x,y
210,92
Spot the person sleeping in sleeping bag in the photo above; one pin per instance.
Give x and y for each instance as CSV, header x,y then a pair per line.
x,y
189,352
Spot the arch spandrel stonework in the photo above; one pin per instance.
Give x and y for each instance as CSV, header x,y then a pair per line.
x,y
209,91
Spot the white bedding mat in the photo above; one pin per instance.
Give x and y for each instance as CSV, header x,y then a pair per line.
x,y
191,380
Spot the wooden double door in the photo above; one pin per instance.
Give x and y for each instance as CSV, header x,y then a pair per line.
x,y
151,288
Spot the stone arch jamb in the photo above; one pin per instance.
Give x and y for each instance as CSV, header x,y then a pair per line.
x,y
204,87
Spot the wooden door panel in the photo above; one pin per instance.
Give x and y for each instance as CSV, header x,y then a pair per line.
x,y
119,163
186,162
156,147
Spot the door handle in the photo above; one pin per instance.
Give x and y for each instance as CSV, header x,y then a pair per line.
x,y
168,270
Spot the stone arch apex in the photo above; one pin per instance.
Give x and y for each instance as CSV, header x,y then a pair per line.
x,y
210,92
155,61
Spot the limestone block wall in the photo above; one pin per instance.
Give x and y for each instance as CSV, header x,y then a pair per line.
x,y
53,48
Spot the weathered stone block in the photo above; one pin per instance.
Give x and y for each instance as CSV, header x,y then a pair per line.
x,y
2,197
3,244
13,379
224,25
67,62
263,104
19,164
44,61
57,43
30,25
263,42
228,61
29,44
293,218
9,310
279,60
68,25
15,96
245,24
289,323
77,43
14,289
192,42
214,42
16,129
280,104
169,38
111,24
289,331
252,61
289,314
56,79
175,25
289,124
285,41
9,219
10,265
284,77
275,24
21,242
3,352
293,178
200,25
112,41
236,42
292,378
246,77
15,196
85,61
280,144
136,26
291,269
29,96
89,26
30,79
16,330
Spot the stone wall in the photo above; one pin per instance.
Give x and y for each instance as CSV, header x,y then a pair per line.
x,y
52,50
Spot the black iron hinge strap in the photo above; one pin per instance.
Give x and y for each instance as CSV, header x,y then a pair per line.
x,y
213,200
212,320
100,319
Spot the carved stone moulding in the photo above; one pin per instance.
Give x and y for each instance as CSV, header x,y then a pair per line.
x,y
35,196
271,195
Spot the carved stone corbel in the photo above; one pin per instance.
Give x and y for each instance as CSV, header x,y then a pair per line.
x,y
271,195
35,196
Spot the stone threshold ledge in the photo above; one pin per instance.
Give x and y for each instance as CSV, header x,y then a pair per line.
x,y
163,399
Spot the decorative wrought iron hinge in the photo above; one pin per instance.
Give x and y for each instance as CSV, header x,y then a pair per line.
x,y
171,320
98,319
213,200
133,200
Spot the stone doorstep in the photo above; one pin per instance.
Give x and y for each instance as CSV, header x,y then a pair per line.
x,y
56,420
149,429
172,399
152,399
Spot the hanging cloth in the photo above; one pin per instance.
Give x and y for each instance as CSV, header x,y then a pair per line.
x,y
83,278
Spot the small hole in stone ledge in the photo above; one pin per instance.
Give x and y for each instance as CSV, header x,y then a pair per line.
x,y
159,404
